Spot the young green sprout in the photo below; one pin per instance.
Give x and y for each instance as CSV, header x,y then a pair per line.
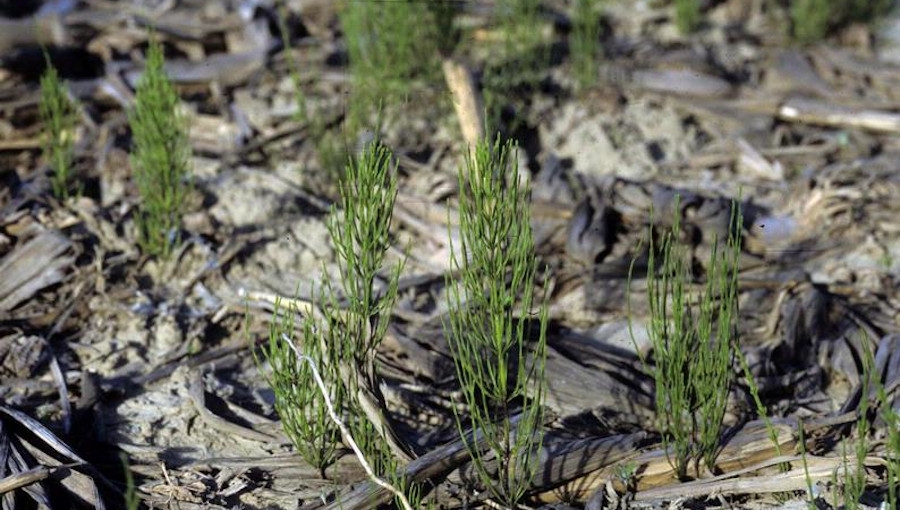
x,y
693,338
390,45
161,156
487,337
58,114
341,343
302,408
687,15
584,42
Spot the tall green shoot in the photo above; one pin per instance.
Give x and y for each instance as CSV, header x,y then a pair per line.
x,y
518,61
892,447
161,156
341,341
688,15
330,146
812,19
801,443
496,262
892,437
293,67
855,482
692,357
390,45
584,42
57,112
761,410
129,496
361,237
299,404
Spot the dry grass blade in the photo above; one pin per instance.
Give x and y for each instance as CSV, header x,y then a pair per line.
x,y
37,264
31,443
24,478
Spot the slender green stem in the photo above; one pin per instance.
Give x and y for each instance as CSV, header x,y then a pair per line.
x,y
810,497
584,42
497,375
58,115
161,156
694,338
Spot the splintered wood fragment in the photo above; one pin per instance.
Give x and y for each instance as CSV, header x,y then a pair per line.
x,y
467,101
827,114
750,446
752,162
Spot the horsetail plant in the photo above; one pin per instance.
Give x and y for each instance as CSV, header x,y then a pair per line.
x,y
332,413
390,45
761,410
300,115
130,499
692,358
161,156
361,239
58,114
584,42
341,341
891,420
517,62
302,408
855,479
496,263
801,443
892,446
688,15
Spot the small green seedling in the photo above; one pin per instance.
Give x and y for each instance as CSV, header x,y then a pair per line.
x,y
131,500
517,63
496,262
688,15
161,156
390,45
625,473
694,342
584,42
58,115
812,19
301,406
